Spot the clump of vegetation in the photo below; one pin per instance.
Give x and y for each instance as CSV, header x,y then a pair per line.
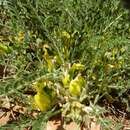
x,y
71,54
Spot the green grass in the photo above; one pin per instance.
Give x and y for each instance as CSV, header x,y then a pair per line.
x,y
98,38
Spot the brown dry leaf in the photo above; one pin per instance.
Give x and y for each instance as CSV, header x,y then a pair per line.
x,y
95,126
5,118
126,125
53,125
28,128
57,125
4,102
19,109
127,128
72,126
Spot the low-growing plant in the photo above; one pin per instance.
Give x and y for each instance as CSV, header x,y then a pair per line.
x,y
72,54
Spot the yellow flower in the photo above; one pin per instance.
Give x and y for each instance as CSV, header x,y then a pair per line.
x,y
42,101
58,60
110,66
66,80
77,66
48,59
39,85
45,96
76,85
74,88
66,34
20,37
